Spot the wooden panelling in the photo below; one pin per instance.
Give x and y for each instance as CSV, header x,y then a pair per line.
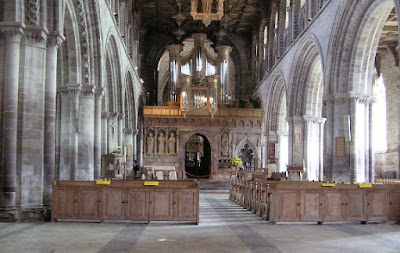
x,y
126,200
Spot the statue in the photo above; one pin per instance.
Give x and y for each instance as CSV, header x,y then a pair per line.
x,y
224,145
161,143
150,143
171,144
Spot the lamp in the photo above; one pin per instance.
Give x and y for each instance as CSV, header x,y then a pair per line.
x,y
207,15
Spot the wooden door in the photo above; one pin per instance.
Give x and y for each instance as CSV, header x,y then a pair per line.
x,y
64,203
356,206
113,204
311,205
185,205
89,203
288,206
161,205
137,205
334,206
394,205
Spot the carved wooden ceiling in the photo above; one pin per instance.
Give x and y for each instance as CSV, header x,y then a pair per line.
x,y
241,17
390,33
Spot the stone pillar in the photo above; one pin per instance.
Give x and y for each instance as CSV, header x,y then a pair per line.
x,y
354,141
112,131
329,151
86,130
97,132
50,116
121,123
313,143
134,144
128,141
104,132
74,136
13,36
69,131
321,149
281,153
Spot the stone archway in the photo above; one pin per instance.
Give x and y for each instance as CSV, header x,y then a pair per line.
x,y
198,157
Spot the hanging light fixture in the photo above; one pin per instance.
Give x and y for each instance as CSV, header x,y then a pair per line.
x,y
207,15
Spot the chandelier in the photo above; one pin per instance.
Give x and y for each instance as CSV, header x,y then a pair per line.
x,y
207,15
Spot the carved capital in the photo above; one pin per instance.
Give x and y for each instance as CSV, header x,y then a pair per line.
x,y
99,93
12,32
314,120
121,116
36,35
128,130
55,39
88,91
70,90
361,99
105,115
113,116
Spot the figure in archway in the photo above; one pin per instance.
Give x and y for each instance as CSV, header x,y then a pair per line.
x,y
161,143
150,143
171,144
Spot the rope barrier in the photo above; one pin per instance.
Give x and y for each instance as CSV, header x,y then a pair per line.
x,y
196,176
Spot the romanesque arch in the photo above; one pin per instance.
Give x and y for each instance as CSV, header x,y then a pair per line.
x,y
353,50
276,124
305,109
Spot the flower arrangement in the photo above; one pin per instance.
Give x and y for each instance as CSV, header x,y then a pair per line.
x,y
236,161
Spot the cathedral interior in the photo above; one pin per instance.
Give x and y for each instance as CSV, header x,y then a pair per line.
x,y
89,89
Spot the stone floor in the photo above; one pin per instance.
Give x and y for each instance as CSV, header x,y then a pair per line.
x,y
224,227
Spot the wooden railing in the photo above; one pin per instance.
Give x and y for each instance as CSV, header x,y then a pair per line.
x,y
285,201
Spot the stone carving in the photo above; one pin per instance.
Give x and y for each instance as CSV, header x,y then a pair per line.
x,y
171,143
150,143
161,143
224,144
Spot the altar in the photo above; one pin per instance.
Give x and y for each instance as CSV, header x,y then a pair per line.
x,y
161,172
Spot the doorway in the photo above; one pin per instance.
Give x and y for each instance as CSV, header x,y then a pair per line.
x,y
198,157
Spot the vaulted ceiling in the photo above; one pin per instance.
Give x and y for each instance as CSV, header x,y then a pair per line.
x,y
241,17
165,22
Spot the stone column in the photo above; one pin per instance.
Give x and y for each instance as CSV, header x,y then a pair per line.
x,y
112,129
104,132
354,140
13,34
74,136
49,148
97,132
328,153
321,149
128,141
134,144
121,123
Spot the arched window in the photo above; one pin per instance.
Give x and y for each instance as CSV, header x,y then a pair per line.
x,y
287,14
265,41
379,115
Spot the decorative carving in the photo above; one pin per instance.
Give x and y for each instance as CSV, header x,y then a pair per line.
x,y
225,144
80,10
150,143
70,90
32,12
36,36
